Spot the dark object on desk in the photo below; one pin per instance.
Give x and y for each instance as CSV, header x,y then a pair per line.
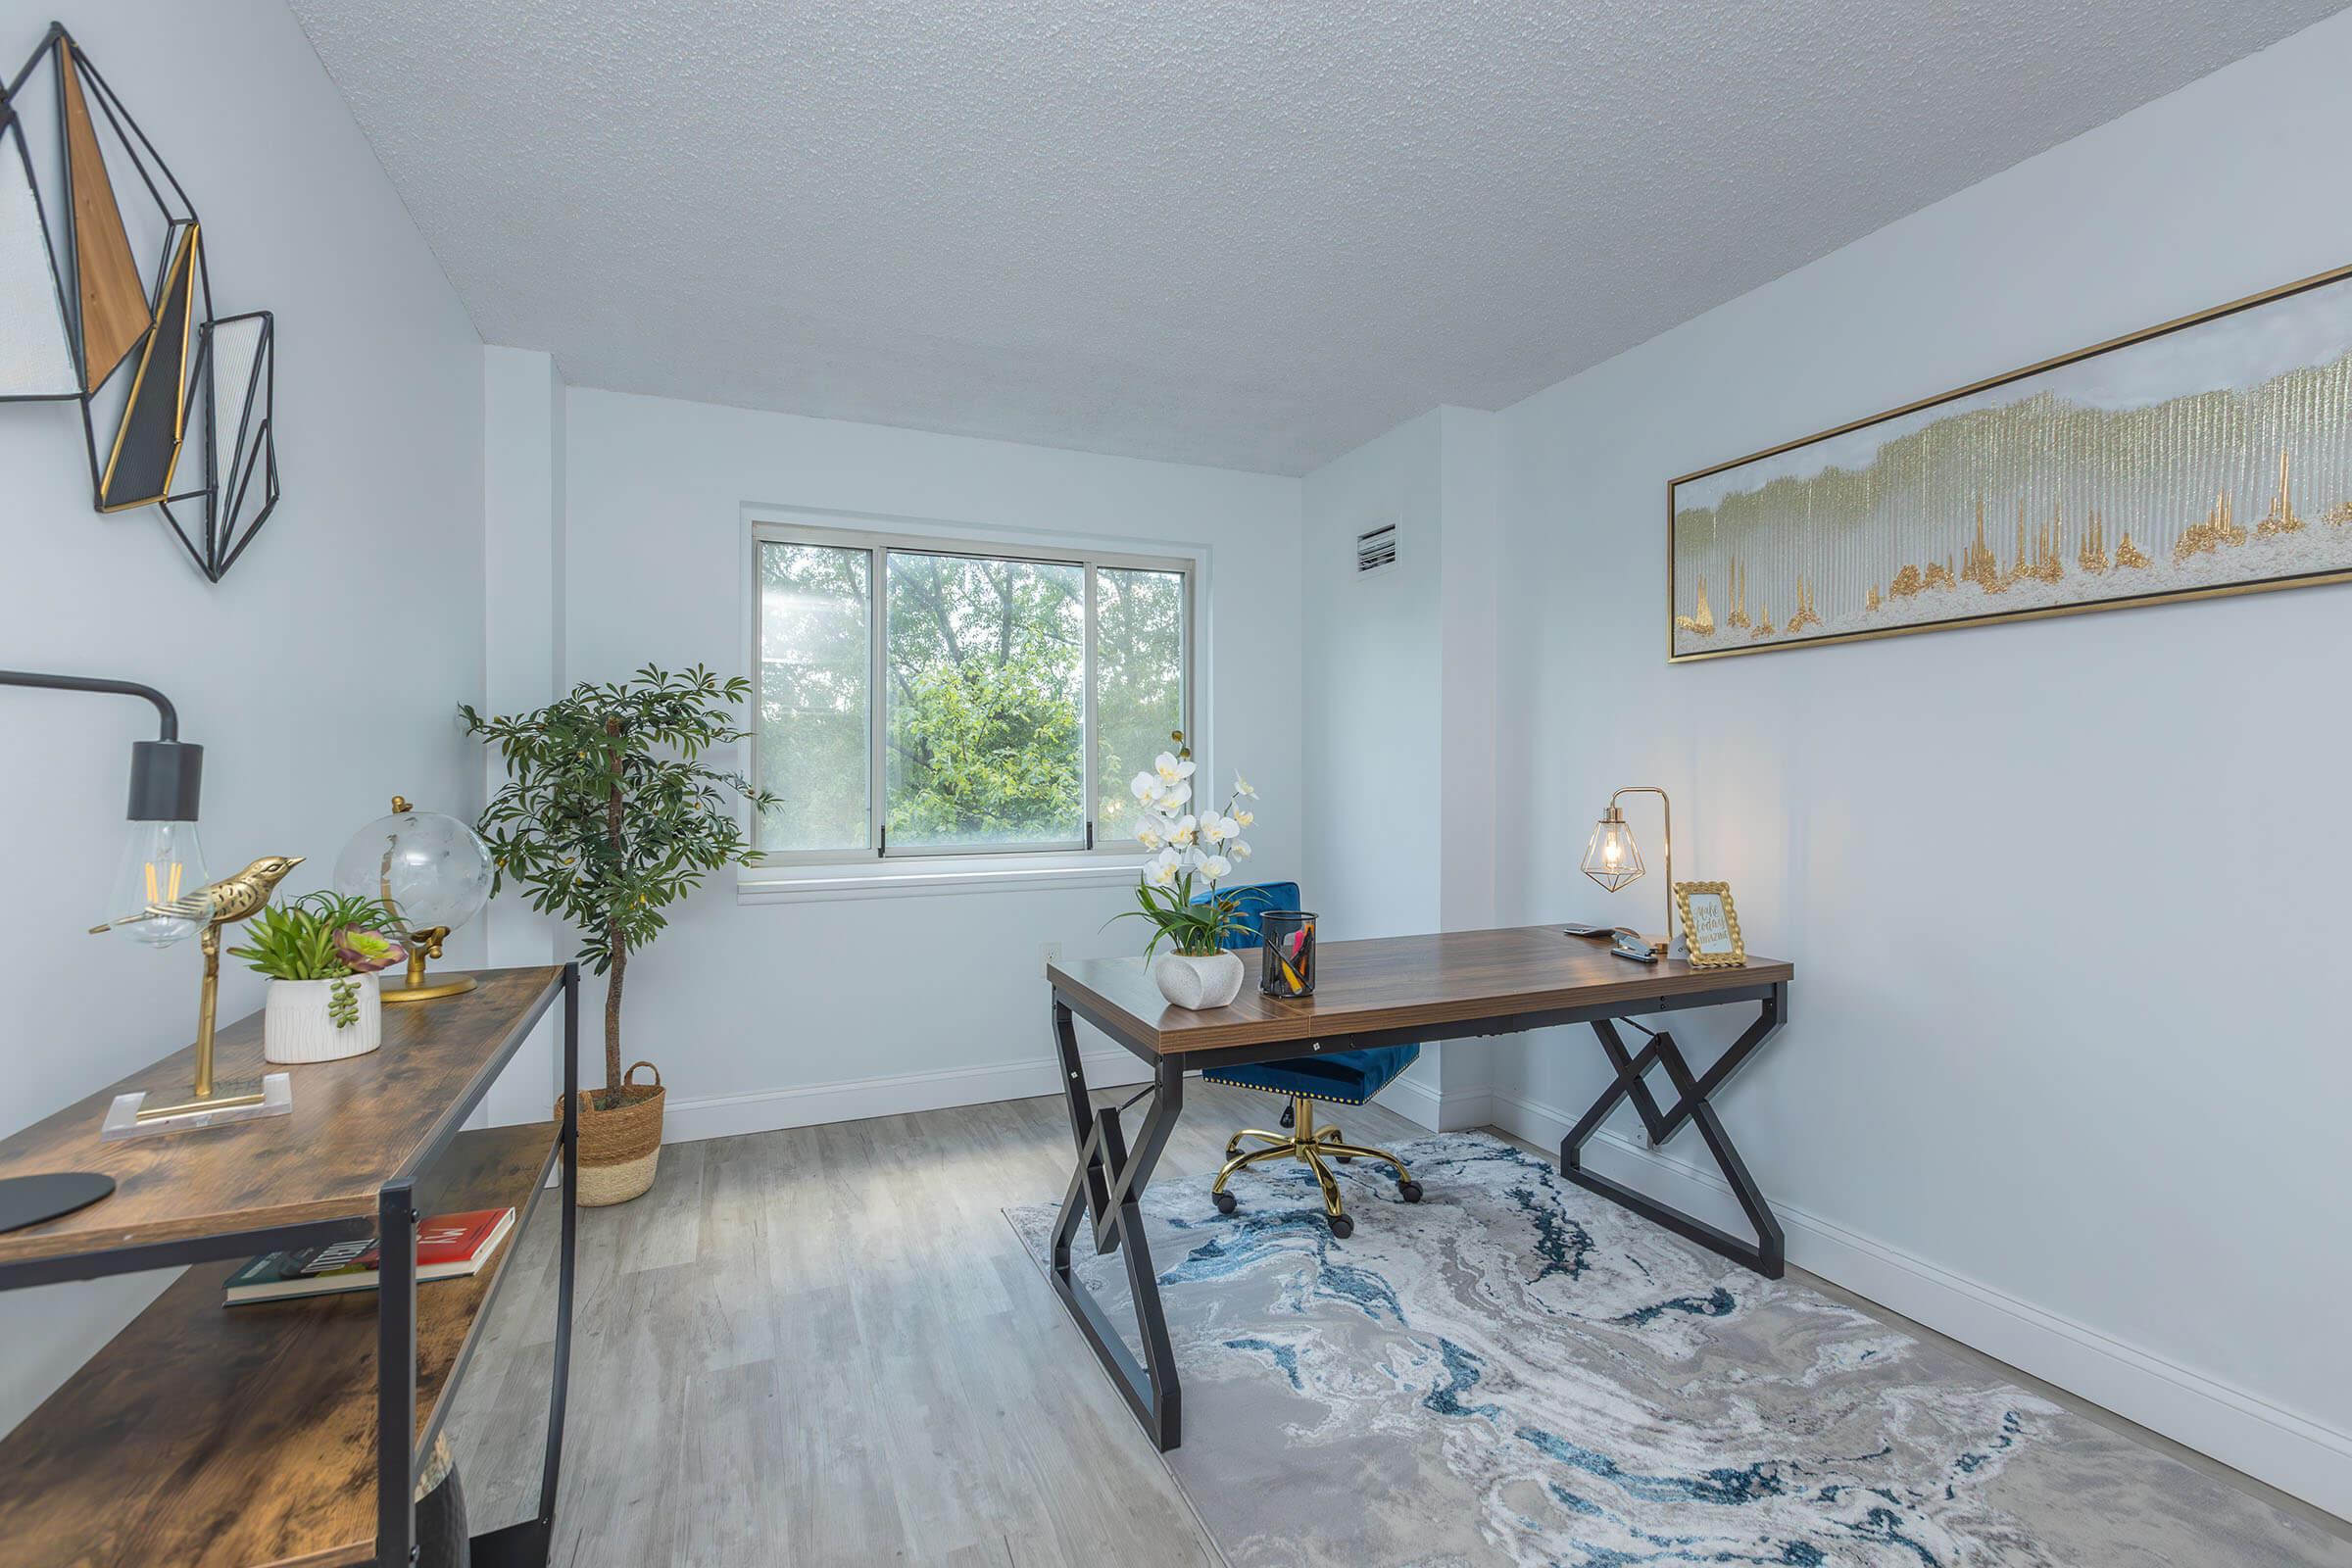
x,y
30,1200
1456,986
1629,946
1623,943
1288,968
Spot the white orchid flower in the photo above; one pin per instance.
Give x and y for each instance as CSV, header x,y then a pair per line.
x,y
1216,868
1216,829
1152,832
1172,801
1163,870
1187,831
1172,770
1245,819
1144,786
1239,850
1242,786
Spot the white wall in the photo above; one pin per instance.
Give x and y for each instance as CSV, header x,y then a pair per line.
x,y
1401,711
1373,684
773,1015
2067,1063
321,675
522,661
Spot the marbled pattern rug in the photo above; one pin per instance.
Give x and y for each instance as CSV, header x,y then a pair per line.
x,y
1516,1371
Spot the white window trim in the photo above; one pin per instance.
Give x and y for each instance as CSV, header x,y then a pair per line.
x,y
814,875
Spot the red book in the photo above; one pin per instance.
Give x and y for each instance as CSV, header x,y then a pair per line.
x,y
448,1247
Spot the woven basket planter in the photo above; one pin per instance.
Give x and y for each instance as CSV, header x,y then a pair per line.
x,y
620,1147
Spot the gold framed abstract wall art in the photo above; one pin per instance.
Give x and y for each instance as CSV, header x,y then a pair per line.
x,y
2208,456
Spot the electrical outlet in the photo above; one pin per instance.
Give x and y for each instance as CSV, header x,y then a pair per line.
x,y
1050,953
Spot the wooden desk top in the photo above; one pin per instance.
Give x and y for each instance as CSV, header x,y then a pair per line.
x,y
356,1123
1397,983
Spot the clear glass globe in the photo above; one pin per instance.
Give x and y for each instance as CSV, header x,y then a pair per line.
x,y
432,869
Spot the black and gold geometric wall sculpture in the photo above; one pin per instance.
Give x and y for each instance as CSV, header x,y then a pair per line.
x,y
83,195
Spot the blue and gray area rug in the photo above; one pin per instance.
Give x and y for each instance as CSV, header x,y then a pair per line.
x,y
1516,1371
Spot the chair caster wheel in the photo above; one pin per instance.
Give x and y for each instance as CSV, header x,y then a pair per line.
x,y
1410,1191
1341,1227
1288,1117
1226,1202
1345,1159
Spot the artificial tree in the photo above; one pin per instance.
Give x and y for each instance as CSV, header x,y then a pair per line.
x,y
609,814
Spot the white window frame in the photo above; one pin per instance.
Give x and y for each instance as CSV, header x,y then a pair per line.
x,y
934,868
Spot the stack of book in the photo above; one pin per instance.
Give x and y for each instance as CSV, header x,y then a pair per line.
x,y
448,1247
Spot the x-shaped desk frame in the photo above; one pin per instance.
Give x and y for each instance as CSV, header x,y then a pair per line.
x,y
1107,1186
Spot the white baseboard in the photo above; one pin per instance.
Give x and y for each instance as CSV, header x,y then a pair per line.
x,y
765,1111
1439,1111
2293,1452
1417,1102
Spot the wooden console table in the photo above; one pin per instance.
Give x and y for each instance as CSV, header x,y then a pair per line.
x,y
1392,992
287,1431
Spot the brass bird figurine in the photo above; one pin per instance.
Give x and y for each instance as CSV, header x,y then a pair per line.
x,y
219,902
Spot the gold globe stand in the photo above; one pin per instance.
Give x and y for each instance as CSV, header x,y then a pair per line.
x,y
423,945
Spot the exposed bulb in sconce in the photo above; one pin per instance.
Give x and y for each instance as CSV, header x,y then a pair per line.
x,y
162,863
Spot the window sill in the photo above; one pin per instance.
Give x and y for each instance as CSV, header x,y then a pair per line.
x,y
910,878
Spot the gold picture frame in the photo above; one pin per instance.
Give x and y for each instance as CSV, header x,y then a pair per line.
x,y
2099,530
1711,933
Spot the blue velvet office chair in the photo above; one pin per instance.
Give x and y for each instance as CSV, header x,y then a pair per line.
x,y
1343,1078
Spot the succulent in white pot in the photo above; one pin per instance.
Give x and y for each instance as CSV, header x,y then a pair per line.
x,y
1190,847
322,953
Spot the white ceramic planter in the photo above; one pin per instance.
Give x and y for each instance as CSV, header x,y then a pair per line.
x,y
296,1027
1198,983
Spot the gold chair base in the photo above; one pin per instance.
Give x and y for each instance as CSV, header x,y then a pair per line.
x,y
1313,1148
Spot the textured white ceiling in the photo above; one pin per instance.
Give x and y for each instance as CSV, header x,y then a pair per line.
x,y
1252,234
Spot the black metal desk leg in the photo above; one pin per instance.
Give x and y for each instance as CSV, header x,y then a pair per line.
x,y
1106,1185
1767,1254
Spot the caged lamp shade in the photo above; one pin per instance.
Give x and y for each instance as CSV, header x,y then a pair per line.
x,y
1612,859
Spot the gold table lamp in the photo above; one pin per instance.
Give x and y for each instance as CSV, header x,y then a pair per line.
x,y
1614,861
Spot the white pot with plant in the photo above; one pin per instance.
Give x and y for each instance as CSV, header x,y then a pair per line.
x,y
322,953
1190,850
609,816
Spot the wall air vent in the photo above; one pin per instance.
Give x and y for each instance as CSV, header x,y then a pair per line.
x,y
1376,548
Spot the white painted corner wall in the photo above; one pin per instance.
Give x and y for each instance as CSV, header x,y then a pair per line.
x,y
322,674
1402,716
2067,1059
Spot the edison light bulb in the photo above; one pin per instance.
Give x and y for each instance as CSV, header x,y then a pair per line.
x,y
161,862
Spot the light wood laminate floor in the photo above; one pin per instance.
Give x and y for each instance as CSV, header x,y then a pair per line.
x,y
824,1346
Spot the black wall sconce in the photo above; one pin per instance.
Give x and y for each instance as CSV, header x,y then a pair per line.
x,y
161,863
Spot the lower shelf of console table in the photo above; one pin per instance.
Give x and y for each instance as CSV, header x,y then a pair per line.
x,y
235,1437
